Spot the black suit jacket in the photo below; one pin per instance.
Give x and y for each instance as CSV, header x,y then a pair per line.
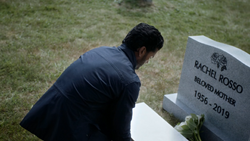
x,y
92,99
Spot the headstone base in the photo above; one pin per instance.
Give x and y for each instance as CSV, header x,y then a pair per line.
x,y
147,125
180,111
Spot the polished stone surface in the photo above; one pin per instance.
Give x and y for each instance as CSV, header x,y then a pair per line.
x,y
215,81
147,125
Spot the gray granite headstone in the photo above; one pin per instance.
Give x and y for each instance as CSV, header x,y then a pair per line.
x,y
215,81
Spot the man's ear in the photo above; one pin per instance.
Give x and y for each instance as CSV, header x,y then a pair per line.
x,y
142,51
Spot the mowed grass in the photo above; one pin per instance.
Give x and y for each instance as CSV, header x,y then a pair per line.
x,y
40,38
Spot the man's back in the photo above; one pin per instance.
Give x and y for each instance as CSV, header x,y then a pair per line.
x,y
94,90
103,72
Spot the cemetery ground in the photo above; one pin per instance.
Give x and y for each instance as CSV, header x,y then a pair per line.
x,y
39,39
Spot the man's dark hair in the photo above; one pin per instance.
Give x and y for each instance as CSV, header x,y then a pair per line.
x,y
144,35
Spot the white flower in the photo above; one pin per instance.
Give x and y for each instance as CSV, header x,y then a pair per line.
x,y
187,118
191,126
199,118
178,126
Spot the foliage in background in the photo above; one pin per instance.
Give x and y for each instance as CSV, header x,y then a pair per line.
x,y
40,38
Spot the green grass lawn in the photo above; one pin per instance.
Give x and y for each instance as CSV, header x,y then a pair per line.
x,y
40,38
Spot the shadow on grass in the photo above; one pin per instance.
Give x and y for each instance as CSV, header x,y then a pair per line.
x,y
136,3
134,8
